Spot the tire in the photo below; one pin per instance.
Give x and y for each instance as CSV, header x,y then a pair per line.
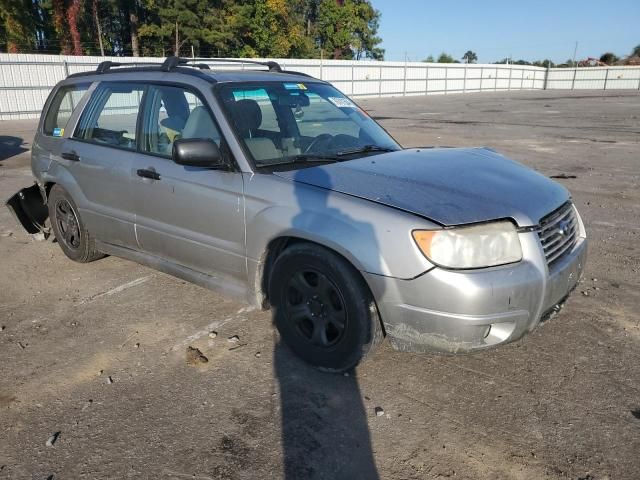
x,y
323,309
72,236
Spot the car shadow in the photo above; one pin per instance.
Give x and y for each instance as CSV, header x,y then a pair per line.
x,y
11,146
325,433
324,425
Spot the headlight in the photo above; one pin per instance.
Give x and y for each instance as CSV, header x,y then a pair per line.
x,y
478,246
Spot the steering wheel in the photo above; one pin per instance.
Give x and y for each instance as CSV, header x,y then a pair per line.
x,y
324,137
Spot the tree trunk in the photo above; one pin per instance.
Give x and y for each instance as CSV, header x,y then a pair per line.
x,y
176,52
133,21
72,18
96,18
60,26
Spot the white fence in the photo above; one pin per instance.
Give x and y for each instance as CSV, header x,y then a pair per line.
x,y
26,80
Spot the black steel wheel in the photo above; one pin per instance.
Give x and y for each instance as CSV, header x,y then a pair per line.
x,y
68,224
322,308
72,236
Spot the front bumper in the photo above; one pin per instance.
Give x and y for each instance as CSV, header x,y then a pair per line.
x,y
463,311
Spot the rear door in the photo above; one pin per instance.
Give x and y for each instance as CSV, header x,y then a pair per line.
x,y
100,155
191,216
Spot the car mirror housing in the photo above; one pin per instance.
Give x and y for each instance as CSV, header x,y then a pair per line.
x,y
197,152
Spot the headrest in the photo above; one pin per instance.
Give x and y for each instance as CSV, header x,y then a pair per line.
x,y
200,125
247,116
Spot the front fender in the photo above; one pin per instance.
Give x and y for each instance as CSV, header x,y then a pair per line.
x,y
352,239
375,238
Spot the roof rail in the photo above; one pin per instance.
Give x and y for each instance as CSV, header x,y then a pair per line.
x,y
105,66
173,62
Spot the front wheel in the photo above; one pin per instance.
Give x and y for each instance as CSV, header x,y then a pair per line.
x,y
72,236
322,308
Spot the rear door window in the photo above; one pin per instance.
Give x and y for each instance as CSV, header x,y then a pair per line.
x,y
111,116
62,106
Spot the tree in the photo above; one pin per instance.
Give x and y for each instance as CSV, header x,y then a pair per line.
x,y
429,59
348,29
636,51
609,58
470,57
274,28
17,18
445,58
546,63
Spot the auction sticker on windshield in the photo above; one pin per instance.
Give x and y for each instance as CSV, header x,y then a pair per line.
x,y
342,102
295,86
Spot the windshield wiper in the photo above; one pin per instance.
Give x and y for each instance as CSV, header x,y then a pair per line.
x,y
314,157
365,149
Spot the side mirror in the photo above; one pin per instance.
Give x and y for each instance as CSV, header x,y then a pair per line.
x,y
197,152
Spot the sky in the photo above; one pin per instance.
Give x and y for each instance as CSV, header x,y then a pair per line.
x,y
529,30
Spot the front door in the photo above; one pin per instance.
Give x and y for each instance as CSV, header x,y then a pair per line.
x,y
191,216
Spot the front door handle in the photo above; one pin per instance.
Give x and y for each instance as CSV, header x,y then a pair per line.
x,y
146,173
73,156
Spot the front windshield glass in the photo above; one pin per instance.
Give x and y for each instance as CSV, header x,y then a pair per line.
x,y
281,122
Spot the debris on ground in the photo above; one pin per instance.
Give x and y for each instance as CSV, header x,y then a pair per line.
x,y
258,355
233,339
52,439
562,175
213,334
585,293
109,380
379,411
195,356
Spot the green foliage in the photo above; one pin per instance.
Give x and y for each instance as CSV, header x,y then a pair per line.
x,y
429,59
225,28
445,58
609,58
470,57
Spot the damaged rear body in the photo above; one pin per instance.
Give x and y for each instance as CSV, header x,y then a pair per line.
x,y
29,208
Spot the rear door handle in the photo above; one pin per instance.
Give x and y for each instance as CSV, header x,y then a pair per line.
x,y
73,156
145,173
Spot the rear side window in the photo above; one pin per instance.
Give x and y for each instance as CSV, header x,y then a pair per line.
x,y
111,115
62,106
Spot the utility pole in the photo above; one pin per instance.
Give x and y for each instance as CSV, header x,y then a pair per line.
x,y
193,55
575,50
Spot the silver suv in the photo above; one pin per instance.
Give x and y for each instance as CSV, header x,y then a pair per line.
x,y
274,187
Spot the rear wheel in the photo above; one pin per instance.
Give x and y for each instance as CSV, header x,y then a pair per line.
x,y
322,308
72,236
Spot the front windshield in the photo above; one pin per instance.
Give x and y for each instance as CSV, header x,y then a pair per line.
x,y
281,122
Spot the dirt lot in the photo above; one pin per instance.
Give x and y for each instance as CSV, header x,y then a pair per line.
x,y
97,352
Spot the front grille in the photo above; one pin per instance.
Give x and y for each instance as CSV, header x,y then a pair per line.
x,y
558,232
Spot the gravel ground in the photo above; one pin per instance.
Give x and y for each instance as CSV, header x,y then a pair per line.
x,y
97,352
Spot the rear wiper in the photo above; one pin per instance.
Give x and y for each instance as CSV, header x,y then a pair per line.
x,y
365,149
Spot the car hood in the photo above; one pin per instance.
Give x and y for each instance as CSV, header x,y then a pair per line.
x,y
451,186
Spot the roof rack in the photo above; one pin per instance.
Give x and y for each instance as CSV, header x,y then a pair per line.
x,y
173,62
105,66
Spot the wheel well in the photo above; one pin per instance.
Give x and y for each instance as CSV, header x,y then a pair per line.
x,y
47,189
279,245
273,251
